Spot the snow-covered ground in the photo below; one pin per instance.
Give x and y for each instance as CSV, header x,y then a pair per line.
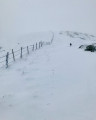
x,y
57,82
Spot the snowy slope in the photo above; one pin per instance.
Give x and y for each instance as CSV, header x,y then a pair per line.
x,y
23,41
58,82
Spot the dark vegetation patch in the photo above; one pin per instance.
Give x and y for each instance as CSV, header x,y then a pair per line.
x,y
90,48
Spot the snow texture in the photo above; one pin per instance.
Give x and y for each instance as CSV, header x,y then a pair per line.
x,y
57,82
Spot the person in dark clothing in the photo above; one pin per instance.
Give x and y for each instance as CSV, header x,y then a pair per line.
x,y
70,44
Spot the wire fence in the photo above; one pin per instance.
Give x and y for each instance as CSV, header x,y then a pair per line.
x,y
10,57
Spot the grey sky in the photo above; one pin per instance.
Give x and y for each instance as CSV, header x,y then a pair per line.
x,y
24,16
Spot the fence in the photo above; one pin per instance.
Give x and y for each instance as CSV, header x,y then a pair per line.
x,y
10,57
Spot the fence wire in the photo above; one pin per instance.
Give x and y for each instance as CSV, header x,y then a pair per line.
x,y
11,56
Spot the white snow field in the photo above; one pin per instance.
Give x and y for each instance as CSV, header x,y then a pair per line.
x,y
57,82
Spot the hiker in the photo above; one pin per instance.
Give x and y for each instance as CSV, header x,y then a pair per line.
x,y
70,44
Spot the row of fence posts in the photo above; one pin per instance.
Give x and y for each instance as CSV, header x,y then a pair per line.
x,y
34,47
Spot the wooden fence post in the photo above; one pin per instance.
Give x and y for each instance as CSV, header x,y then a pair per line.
x,y
7,56
27,50
39,44
36,46
13,55
33,48
52,37
21,53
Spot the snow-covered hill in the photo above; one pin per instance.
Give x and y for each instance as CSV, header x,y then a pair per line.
x,y
57,82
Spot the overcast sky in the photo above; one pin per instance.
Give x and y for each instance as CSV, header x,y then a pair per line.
x,y
25,16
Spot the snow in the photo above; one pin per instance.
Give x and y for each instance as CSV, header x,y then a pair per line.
x,y
57,82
